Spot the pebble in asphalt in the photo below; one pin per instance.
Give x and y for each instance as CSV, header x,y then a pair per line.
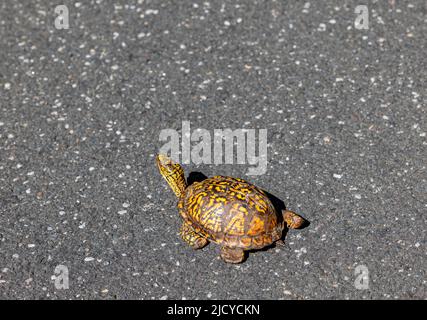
x,y
81,110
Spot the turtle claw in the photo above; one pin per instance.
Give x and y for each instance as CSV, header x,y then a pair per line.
x,y
280,243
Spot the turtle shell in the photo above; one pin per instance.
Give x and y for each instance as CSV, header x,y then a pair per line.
x,y
231,212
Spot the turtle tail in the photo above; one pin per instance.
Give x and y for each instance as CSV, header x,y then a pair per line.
x,y
293,220
173,174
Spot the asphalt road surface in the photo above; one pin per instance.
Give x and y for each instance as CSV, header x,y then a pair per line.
x,y
81,111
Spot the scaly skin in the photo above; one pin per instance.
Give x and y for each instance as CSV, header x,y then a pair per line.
x,y
173,174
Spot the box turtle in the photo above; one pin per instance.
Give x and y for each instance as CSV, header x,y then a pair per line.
x,y
228,211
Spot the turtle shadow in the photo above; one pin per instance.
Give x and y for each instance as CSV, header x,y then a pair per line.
x,y
279,206
195,176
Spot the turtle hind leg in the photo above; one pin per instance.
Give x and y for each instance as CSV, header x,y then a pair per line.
x,y
232,255
293,220
191,237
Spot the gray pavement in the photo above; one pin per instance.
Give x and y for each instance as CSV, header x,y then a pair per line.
x,y
81,111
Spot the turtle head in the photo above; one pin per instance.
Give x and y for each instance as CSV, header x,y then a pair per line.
x,y
166,166
293,220
173,173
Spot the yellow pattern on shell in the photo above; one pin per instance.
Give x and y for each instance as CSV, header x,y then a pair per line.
x,y
232,212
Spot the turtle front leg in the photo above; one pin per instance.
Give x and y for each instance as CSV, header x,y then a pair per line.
x,y
232,255
195,240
